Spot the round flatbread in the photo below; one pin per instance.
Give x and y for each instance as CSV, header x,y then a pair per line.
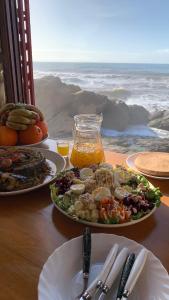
x,y
153,163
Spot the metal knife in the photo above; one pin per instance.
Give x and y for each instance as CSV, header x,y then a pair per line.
x,y
125,274
99,281
86,252
135,273
115,270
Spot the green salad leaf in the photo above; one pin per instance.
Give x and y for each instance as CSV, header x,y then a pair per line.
x,y
154,196
63,201
138,215
143,180
54,191
114,220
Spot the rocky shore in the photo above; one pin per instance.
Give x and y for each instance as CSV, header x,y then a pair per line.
x,y
160,120
136,144
60,102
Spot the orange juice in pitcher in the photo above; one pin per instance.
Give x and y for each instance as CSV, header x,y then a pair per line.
x,y
87,148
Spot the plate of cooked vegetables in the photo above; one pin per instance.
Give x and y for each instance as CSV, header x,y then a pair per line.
x,y
104,196
23,169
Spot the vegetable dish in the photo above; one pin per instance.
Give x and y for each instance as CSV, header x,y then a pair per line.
x,y
103,194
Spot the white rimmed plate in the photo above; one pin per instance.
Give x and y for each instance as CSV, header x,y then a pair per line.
x,y
130,161
57,164
61,276
133,222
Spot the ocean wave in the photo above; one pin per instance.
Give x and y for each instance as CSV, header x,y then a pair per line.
x,y
148,90
121,92
75,80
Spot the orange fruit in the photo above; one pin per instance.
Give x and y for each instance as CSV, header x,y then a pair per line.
x,y
32,135
8,136
44,127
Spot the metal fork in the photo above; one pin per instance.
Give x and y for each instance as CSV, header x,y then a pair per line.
x,y
86,252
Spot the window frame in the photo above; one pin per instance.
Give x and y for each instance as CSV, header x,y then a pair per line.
x,y
15,36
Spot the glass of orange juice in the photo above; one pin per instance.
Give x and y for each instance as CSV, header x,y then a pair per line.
x,y
63,148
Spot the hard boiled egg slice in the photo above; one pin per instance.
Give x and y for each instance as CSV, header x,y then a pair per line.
x,y
86,173
100,193
121,176
77,188
121,192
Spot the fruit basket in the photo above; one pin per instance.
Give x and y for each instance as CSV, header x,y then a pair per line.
x,y
22,124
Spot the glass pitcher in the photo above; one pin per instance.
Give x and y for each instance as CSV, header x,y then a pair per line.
x,y
87,148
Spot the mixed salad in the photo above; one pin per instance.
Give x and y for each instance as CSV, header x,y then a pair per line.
x,y
104,194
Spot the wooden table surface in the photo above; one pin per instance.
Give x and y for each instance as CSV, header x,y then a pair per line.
x,y
31,229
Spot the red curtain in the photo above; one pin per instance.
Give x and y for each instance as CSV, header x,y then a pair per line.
x,y
15,35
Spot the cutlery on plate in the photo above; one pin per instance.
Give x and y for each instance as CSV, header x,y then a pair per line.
x,y
135,273
125,274
86,258
99,281
115,270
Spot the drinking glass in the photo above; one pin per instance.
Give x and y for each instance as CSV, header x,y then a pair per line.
x,y
63,148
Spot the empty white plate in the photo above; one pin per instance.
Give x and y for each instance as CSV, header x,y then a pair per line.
x,y
61,276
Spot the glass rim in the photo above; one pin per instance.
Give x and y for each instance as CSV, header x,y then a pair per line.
x,y
94,117
62,142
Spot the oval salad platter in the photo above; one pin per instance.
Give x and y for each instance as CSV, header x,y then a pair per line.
x,y
103,196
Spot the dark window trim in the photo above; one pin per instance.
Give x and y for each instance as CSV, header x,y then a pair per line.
x,y
16,50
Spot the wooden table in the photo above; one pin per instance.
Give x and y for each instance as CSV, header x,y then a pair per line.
x,y
31,228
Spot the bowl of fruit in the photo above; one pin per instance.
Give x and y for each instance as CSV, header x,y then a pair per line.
x,y
22,124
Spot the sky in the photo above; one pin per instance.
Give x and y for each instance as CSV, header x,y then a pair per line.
x,y
126,31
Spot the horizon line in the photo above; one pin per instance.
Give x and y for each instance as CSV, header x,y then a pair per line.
x,y
99,62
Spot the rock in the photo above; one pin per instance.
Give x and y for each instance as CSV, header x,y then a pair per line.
x,y
136,144
165,113
160,120
52,95
161,123
116,116
156,115
61,125
60,102
88,103
138,115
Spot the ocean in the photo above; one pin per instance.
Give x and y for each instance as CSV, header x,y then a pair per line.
x,y
142,84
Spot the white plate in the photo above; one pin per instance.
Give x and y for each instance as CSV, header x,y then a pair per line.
x,y
133,222
131,164
61,276
57,164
